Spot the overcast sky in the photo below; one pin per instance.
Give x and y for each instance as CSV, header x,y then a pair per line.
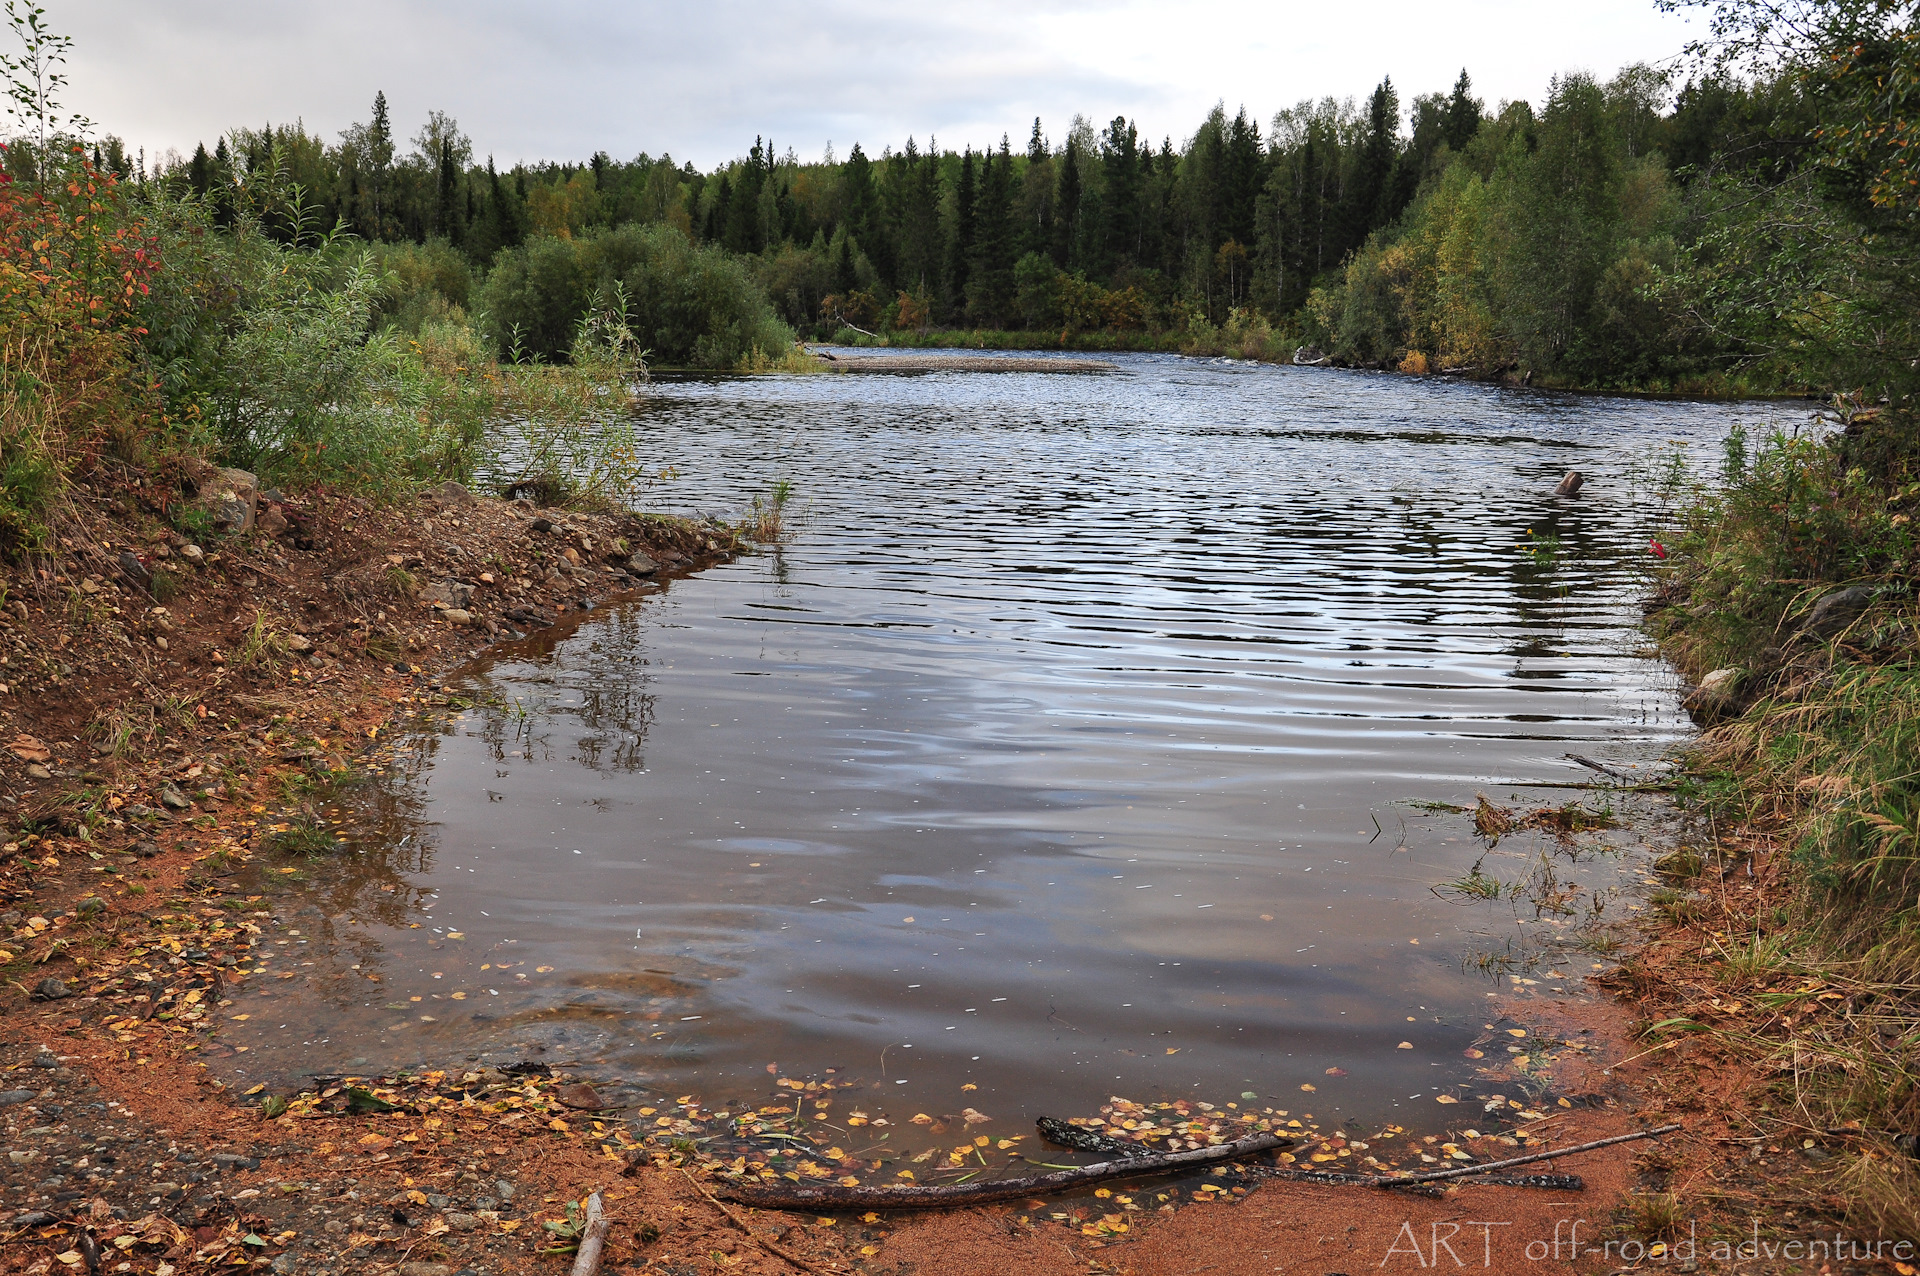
x,y
564,78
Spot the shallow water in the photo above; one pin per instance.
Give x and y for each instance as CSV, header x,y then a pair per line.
x,y
1068,748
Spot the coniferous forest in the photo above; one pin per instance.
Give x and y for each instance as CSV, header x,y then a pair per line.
x,y
1646,231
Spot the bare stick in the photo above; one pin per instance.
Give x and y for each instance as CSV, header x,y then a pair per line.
x,y
763,1243
1434,1176
782,1196
592,1240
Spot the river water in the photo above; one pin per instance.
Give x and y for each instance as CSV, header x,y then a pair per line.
x,y
1072,745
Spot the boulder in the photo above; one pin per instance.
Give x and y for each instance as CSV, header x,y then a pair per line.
x,y
640,565
1834,612
232,497
457,616
1712,699
272,521
448,593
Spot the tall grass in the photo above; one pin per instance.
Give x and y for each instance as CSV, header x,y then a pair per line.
x,y
1820,758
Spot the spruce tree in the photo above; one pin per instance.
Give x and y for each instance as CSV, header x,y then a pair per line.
x,y
1066,208
200,170
960,245
743,230
1120,212
1462,119
1371,195
990,291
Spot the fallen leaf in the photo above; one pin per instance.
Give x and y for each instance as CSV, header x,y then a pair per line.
x,y
1309,1088
1336,1072
1444,1098
580,1096
28,749
974,1118
1471,1053
1404,1045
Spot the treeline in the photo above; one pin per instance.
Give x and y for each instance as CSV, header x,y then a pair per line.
x,y
1601,239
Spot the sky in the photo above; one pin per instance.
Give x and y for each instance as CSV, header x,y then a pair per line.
x,y
564,78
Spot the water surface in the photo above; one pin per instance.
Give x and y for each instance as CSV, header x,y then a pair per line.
x,y
1068,748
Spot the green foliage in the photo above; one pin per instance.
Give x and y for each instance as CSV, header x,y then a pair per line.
x,y
689,305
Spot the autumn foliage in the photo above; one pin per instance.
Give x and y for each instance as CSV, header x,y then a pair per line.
x,y
73,265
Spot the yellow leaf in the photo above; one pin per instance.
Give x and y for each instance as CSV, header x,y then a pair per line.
x,y
1516,1032
1310,1089
256,1090
1444,1098
509,1224
904,1174
969,1086
1173,1049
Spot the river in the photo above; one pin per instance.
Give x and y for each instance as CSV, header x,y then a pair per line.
x,y
1081,739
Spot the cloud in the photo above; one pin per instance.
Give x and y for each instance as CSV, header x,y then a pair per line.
x,y
562,80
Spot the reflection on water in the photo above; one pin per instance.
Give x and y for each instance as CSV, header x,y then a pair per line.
x,y
1054,754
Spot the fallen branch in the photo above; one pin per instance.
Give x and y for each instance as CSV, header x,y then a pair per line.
x,y
1434,1176
762,1242
783,1196
593,1239
1561,1182
1603,768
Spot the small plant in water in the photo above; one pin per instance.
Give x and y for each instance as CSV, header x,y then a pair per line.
x,y
1475,885
766,518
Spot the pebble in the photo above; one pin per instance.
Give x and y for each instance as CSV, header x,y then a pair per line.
x,y
10,1097
173,799
52,988
234,1161
457,616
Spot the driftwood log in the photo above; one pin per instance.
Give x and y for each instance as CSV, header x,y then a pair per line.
x,y
801,1196
593,1239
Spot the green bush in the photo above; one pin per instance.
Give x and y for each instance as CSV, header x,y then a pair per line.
x,y
689,305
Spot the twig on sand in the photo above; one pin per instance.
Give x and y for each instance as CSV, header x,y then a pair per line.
x,y
781,1196
593,1239
1434,1176
1554,1181
763,1243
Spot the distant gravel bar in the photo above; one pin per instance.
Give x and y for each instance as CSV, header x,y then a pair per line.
x,y
958,363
